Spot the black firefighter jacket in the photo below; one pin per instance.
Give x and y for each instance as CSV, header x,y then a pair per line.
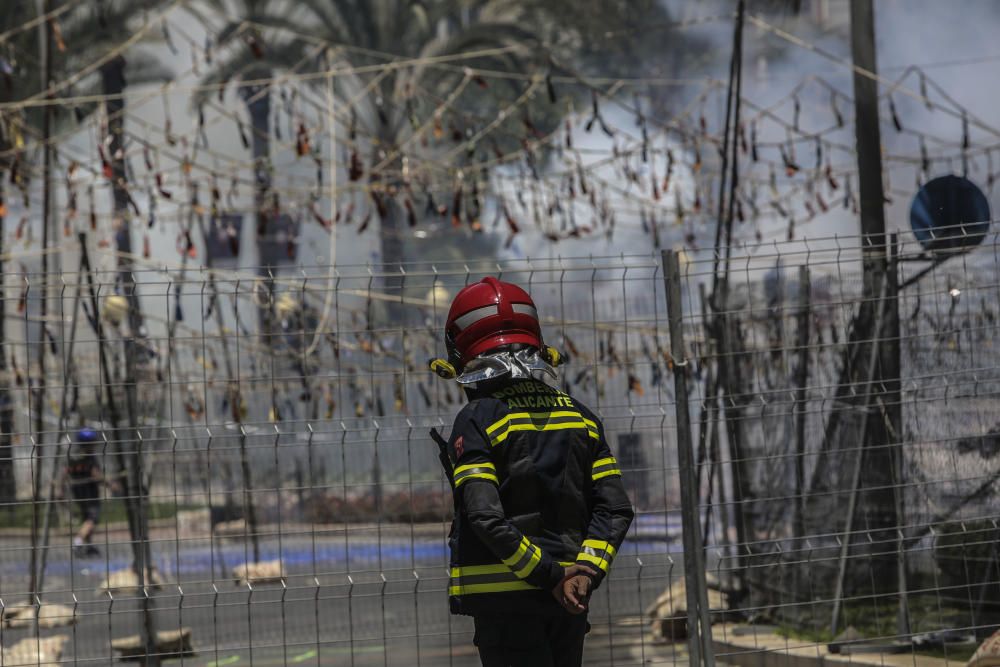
x,y
536,489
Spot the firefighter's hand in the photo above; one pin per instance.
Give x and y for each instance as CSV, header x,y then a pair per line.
x,y
573,592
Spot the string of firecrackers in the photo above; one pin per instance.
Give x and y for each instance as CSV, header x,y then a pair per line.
x,y
47,97
607,356
50,16
697,156
380,350
792,168
345,112
206,360
163,89
335,72
195,45
893,115
188,166
194,64
632,176
686,23
843,147
786,160
408,207
605,127
696,207
959,112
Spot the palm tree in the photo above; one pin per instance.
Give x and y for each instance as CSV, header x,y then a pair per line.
x,y
402,27
539,33
94,30
81,36
20,65
252,57
10,133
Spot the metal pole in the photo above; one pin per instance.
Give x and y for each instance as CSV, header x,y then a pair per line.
x,y
140,565
63,429
235,405
37,451
876,478
869,389
699,624
801,377
893,414
868,145
8,485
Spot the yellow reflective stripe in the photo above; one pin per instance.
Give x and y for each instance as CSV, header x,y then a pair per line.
x,y
500,438
498,424
479,475
502,587
516,556
497,436
497,568
483,470
596,560
600,544
530,567
473,570
605,467
542,415
470,466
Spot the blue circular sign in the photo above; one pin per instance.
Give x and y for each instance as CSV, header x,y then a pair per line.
x,y
950,214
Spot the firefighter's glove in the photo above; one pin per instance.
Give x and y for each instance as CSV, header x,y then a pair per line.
x,y
573,592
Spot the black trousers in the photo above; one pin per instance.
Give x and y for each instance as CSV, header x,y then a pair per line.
x,y
508,640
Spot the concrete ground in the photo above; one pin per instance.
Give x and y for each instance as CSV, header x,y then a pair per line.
x,y
371,595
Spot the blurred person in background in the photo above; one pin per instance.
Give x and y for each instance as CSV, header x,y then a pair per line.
x,y
540,508
84,476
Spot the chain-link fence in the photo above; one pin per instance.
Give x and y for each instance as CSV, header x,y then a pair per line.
x,y
270,494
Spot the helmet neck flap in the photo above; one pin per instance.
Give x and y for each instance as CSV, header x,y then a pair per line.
x,y
507,364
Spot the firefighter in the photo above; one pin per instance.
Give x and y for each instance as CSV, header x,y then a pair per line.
x,y
540,509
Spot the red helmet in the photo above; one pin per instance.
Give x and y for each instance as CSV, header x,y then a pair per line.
x,y
486,315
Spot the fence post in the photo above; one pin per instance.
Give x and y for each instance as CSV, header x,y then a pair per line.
x,y
698,622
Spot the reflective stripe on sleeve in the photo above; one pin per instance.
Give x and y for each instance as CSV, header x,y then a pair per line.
x,y
525,559
604,468
484,470
498,578
597,552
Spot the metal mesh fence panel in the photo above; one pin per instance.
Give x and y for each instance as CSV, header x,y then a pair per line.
x,y
271,495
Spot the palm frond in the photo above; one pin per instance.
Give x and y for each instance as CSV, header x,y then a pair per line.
x,y
143,67
330,20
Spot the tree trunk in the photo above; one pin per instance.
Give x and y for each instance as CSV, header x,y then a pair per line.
x,y
878,499
393,257
113,84
8,486
392,227
258,102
